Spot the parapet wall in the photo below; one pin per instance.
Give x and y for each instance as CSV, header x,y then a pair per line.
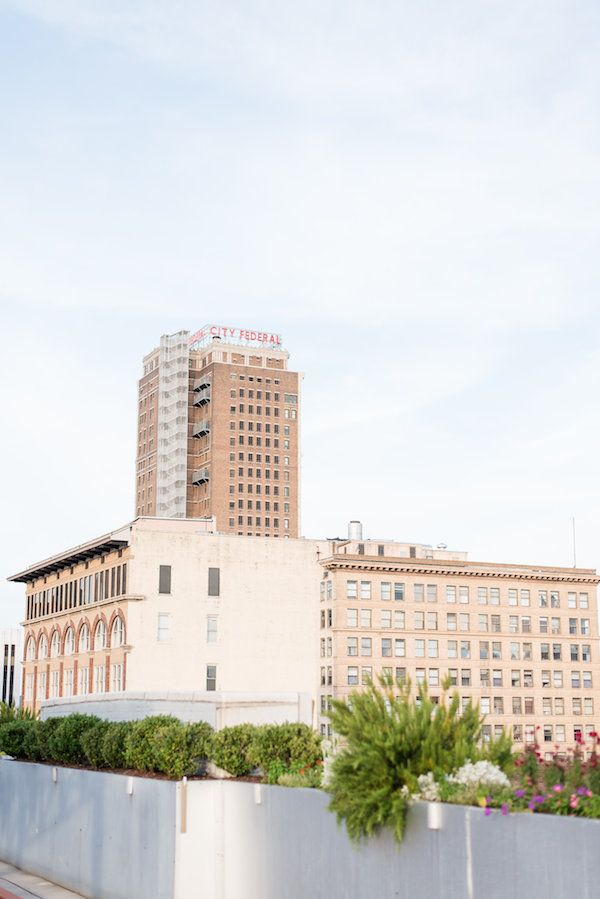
x,y
108,836
218,709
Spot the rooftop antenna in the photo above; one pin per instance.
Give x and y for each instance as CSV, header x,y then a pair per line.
x,y
574,544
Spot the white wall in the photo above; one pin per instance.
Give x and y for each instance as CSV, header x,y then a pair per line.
x,y
218,709
267,611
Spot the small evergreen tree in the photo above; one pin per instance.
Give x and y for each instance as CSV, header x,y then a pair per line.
x,y
388,739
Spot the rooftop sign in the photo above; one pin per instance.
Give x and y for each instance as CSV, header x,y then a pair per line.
x,y
242,336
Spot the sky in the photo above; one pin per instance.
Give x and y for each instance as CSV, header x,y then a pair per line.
x,y
408,192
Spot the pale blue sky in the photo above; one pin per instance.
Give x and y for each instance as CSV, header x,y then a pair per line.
x,y
409,193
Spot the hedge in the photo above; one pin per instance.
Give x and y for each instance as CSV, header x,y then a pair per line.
x,y
161,744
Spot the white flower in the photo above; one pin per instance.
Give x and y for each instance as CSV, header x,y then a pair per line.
x,y
428,788
480,774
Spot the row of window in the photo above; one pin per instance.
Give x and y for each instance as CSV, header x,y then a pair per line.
x,y
78,592
462,677
75,641
462,594
460,621
234,377
251,409
255,457
551,733
257,505
255,521
255,473
257,489
254,441
459,649
253,394
489,678
99,685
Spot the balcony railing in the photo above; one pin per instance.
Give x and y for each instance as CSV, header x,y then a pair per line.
x,y
200,477
203,381
202,397
201,428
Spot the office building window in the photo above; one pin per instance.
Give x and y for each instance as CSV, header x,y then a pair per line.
x,y
211,628
164,578
211,677
162,628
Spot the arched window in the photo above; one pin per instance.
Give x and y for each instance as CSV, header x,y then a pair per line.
x,y
117,635
55,645
43,653
69,642
100,636
30,654
84,639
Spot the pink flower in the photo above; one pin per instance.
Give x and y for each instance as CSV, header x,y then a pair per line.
x,y
488,811
557,788
504,808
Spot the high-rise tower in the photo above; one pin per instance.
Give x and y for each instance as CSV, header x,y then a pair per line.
x,y
219,432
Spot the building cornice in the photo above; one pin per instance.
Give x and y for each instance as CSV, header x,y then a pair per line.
x,y
461,569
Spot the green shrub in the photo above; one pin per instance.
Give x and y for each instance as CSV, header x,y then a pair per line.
x,y
198,736
12,737
230,748
113,744
34,744
388,741
92,741
36,740
45,733
139,743
64,743
285,744
172,752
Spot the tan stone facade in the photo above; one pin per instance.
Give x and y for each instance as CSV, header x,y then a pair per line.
x,y
75,639
172,605
520,640
240,424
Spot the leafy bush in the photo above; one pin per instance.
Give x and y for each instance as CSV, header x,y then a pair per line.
x,y
230,748
275,745
172,751
113,744
45,733
64,743
12,737
139,742
199,737
92,742
389,741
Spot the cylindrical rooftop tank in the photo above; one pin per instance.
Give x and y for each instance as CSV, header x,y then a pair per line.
x,y
355,530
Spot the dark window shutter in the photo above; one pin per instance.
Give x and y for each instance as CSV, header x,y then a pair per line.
x,y
214,581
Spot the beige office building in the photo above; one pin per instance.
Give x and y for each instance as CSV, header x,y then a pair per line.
x,y
173,606
522,640
219,432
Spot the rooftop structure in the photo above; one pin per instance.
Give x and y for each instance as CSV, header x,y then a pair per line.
x,y
219,432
